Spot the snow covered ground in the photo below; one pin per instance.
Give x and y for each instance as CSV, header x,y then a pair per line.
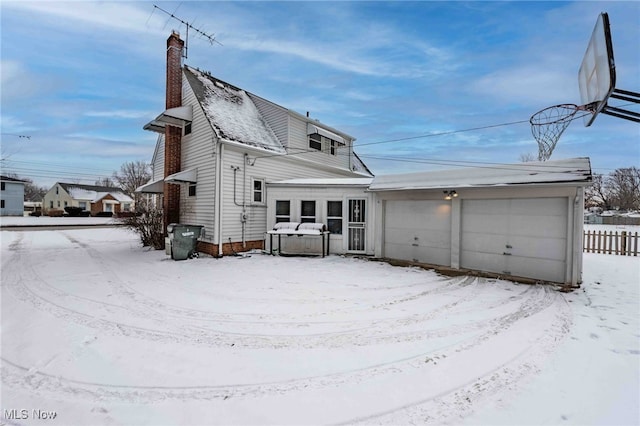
x,y
6,221
100,331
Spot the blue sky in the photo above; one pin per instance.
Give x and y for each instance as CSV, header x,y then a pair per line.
x,y
82,78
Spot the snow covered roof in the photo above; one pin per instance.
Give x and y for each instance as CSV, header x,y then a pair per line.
x,y
575,170
231,112
323,182
94,193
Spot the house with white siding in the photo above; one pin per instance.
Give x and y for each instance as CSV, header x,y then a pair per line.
x,y
518,221
90,198
11,196
218,148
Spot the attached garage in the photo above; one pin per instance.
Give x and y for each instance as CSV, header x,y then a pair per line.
x,y
520,221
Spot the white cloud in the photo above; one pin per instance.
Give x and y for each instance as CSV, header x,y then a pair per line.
x,y
125,114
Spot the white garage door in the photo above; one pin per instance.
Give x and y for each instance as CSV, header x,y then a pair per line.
x,y
521,237
418,231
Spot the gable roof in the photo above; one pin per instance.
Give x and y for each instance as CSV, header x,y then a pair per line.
x,y
231,112
575,170
94,193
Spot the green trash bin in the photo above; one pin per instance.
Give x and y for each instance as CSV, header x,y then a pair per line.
x,y
184,239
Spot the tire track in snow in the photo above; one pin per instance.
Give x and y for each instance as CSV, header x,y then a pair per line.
x,y
39,382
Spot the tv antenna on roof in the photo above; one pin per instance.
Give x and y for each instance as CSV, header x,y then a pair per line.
x,y
210,37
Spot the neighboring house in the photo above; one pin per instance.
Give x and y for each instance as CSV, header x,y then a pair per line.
x,y
520,220
91,198
220,145
11,196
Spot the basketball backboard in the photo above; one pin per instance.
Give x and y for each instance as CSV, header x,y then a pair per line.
x,y
597,74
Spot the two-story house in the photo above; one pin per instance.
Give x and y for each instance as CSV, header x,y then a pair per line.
x,y
219,146
11,196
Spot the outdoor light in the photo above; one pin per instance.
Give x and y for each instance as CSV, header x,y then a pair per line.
x,y
450,194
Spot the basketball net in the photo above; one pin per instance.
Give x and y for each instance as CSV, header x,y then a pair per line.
x,y
547,126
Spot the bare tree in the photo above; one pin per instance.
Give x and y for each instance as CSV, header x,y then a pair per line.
x,y
597,195
105,181
132,174
620,190
527,157
624,186
147,223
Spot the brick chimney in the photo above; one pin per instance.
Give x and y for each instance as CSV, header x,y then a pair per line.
x,y
173,135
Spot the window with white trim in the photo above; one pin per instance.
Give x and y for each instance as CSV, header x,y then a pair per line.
x,y
82,205
307,211
283,211
192,190
257,186
323,143
315,141
334,217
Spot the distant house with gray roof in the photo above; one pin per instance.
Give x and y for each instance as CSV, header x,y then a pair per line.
x,y
91,198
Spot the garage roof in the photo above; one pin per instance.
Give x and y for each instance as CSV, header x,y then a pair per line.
x,y
575,171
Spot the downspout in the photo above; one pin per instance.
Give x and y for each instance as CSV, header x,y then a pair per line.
x,y
219,195
243,205
578,229
243,218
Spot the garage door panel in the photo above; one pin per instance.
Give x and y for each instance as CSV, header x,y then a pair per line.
x,y
538,247
543,269
482,242
490,262
544,226
489,224
487,206
431,255
427,238
539,206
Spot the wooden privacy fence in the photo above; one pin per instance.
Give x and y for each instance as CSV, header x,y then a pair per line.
x,y
608,242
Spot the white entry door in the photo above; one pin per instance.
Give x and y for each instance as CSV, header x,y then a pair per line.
x,y
356,225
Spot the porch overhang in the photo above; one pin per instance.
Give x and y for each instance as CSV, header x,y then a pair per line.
x,y
184,177
177,117
153,187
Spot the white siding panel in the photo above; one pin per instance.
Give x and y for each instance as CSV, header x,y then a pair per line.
x,y
299,141
276,117
158,160
271,169
199,152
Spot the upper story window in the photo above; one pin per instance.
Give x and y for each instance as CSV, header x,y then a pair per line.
x,y
323,143
307,211
258,191
2,186
192,190
187,129
315,141
56,190
283,211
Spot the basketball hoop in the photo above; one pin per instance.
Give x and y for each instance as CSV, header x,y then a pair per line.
x,y
547,125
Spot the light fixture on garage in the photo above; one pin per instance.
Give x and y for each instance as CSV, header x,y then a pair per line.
x,y
450,194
